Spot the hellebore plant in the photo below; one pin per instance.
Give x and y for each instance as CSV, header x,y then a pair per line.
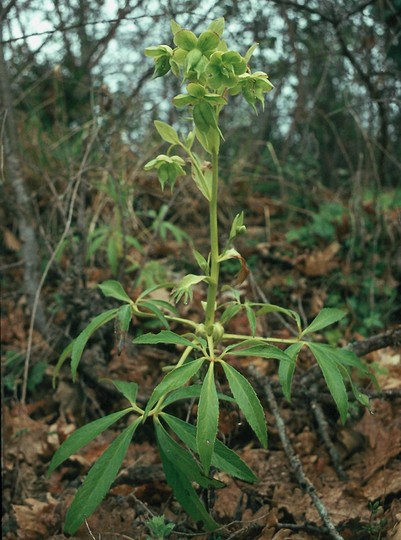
x,y
211,74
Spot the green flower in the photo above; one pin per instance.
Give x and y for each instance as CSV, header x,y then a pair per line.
x,y
224,68
196,94
168,168
193,53
162,56
253,87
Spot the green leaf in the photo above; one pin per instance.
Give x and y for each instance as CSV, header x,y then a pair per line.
x,y
262,350
271,308
173,380
124,317
166,132
202,178
207,420
204,117
180,482
183,459
350,359
146,292
175,27
182,100
237,227
324,318
165,305
326,357
113,253
230,312
81,341
153,308
223,458
63,357
286,369
167,337
250,52
202,262
82,436
115,290
250,315
190,392
247,401
128,389
99,480
359,396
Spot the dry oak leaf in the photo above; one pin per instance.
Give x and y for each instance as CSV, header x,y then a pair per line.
x,y
319,262
36,519
384,440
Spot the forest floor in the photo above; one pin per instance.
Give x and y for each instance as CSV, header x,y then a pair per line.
x,y
361,490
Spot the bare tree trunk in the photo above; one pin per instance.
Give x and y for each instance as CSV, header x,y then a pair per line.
x,y
23,208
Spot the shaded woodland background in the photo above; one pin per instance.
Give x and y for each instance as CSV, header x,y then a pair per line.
x,y
317,173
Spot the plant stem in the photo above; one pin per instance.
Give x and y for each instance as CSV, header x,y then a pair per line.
x,y
214,246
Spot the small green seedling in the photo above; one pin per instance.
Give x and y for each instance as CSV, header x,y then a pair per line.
x,y
210,73
158,528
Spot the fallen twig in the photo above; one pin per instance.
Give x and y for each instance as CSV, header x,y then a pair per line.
x,y
324,429
295,462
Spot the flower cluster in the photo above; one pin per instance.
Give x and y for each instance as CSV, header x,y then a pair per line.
x,y
209,66
211,72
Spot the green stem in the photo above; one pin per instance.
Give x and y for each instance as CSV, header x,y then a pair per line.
x,y
214,247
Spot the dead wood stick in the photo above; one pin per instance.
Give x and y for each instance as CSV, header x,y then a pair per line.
x,y
323,428
292,457
391,338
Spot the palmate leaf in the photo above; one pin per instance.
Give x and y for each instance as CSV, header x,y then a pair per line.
x,y
326,357
99,480
82,436
180,472
207,420
247,401
223,458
